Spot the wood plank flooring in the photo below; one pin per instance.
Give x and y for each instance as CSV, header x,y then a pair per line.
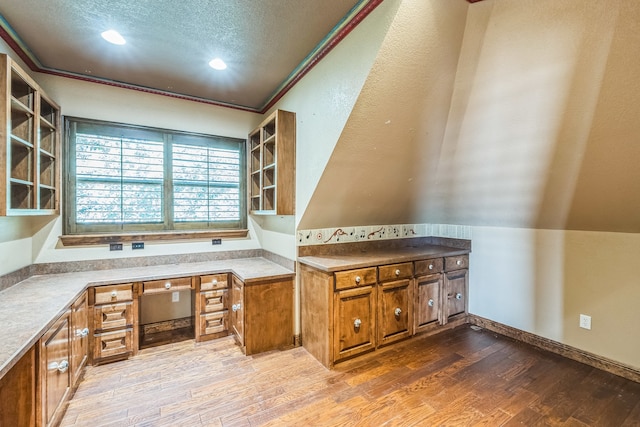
x,y
460,377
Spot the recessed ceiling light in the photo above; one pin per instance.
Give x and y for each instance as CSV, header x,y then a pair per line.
x,y
112,36
217,64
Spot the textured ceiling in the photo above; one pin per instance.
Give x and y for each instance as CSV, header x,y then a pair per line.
x,y
266,43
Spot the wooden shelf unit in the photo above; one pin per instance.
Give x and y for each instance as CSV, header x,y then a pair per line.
x,y
30,148
272,158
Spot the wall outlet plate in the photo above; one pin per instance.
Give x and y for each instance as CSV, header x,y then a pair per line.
x,y
137,245
115,246
216,241
585,321
175,296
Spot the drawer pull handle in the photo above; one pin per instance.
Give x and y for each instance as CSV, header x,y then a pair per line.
x,y
430,303
167,285
397,311
458,296
397,272
430,266
61,367
114,294
357,323
358,279
83,332
459,262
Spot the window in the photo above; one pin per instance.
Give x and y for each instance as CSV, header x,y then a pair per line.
x,y
126,178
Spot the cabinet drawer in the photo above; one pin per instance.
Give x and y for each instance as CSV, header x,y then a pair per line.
x,y
429,266
353,278
456,262
211,301
214,281
112,344
390,272
166,285
112,316
213,323
113,293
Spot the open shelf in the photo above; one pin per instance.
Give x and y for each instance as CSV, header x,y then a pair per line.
x,y
30,184
272,165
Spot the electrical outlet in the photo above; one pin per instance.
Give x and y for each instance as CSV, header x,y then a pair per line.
x,y
216,241
585,321
175,296
115,246
137,245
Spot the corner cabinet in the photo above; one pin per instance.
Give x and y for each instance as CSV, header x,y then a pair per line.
x,y
272,157
30,148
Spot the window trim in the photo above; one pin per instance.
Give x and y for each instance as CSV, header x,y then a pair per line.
x,y
74,236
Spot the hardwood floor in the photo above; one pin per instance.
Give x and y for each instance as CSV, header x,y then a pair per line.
x,y
461,377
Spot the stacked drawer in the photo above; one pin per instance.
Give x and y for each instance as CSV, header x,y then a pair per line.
x,y
113,322
212,306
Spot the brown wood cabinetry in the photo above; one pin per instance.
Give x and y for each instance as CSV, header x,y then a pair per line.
x,y
272,156
212,306
262,314
79,337
30,147
55,376
114,309
355,322
347,313
18,393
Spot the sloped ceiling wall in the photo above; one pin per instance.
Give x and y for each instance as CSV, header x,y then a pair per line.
x,y
499,113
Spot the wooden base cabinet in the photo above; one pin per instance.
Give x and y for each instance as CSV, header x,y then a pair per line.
x,y
212,306
262,314
114,310
347,313
18,393
355,322
55,376
79,338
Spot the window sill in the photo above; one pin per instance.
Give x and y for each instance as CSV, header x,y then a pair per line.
x,y
105,239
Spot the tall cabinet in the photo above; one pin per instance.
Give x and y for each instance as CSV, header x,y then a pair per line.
x,y
272,156
30,145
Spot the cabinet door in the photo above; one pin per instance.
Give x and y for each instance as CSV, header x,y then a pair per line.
x,y
395,311
54,370
354,322
456,285
237,310
18,392
427,301
79,337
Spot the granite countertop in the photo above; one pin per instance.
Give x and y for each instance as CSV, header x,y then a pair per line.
x,y
370,258
30,307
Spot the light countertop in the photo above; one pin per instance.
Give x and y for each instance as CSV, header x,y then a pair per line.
x,y
29,308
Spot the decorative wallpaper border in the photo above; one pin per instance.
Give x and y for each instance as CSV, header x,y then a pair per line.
x,y
325,236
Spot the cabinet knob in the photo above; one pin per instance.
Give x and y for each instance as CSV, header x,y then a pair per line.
x,y
61,367
82,332
458,296
397,311
167,285
459,262
358,279
430,266
430,303
214,282
397,272
357,323
235,307
114,294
